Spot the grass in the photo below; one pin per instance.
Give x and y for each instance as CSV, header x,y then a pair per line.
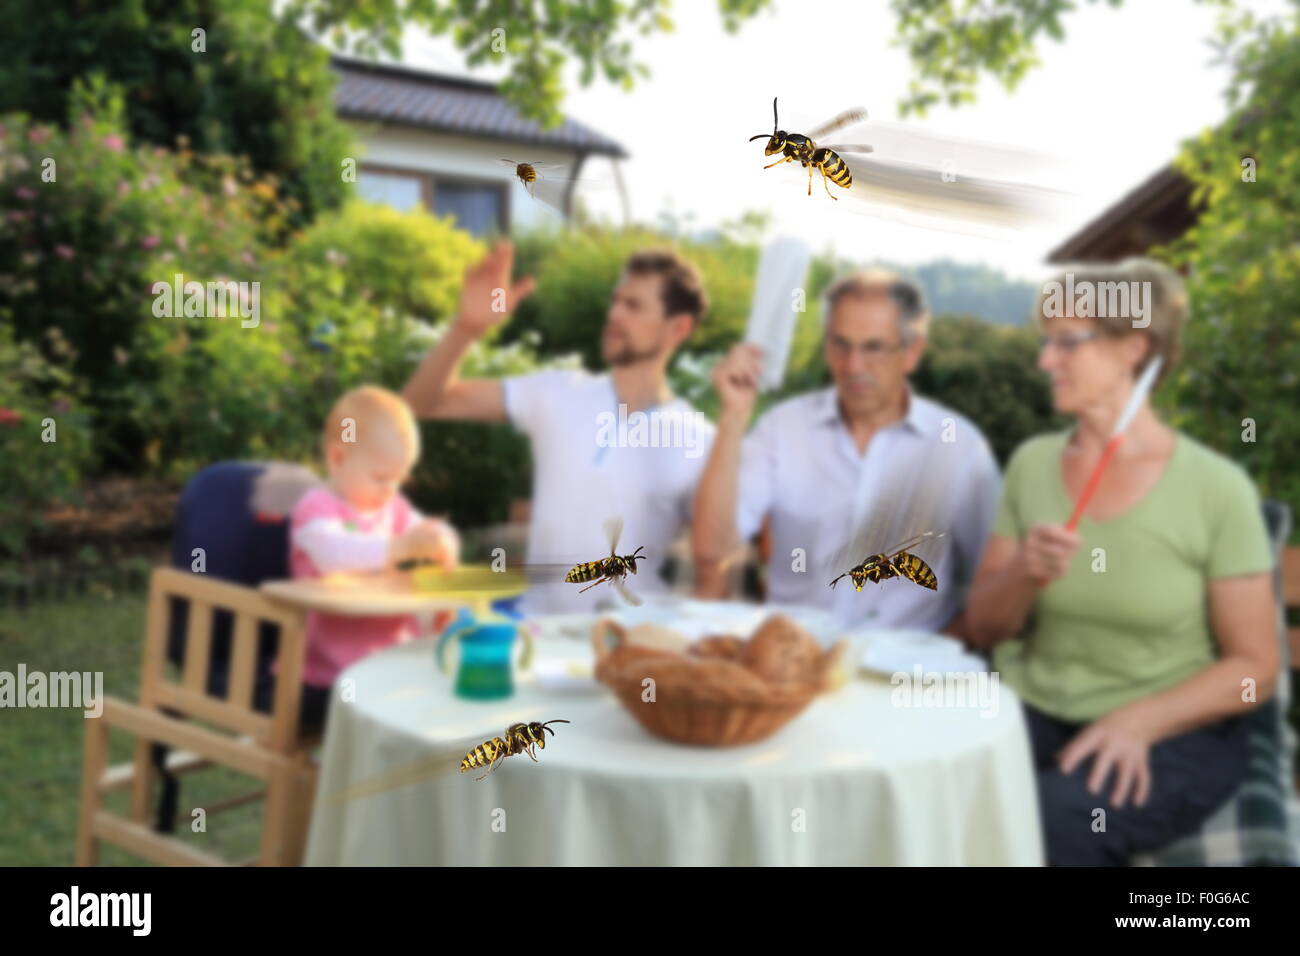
x,y
41,748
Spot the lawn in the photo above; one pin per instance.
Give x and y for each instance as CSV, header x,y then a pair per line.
x,y
40,748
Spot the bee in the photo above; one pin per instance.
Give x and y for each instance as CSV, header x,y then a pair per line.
x,y
796,147
520,738
613,568
897,562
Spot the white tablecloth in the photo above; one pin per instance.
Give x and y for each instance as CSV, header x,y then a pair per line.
x,y
855,779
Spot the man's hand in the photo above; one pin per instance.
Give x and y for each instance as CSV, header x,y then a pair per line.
x,y
431,540
1047,551
486,295
736,378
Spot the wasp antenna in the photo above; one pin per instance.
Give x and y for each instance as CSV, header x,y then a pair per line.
x,y
775,124
760,136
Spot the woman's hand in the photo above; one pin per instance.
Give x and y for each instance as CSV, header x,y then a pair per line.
x,y
1117,742
1048,550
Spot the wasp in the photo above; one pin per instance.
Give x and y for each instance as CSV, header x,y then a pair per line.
x,y
520,738
796,147
613,568
897,562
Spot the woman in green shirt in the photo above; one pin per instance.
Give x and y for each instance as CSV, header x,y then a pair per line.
x,y
1138,641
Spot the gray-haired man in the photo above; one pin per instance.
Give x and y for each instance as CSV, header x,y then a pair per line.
x,y
825,465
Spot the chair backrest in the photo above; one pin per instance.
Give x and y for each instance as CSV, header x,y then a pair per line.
x,y
233,709
232,525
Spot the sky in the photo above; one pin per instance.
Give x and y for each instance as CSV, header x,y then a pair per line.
x,y
1109,106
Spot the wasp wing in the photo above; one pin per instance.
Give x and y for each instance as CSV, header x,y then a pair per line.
x,y
627,595
855,115
443,761
851,148
613,531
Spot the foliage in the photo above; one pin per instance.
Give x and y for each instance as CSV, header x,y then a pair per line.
x,y
952,42
575,273
989,374
85,236
533,38
260,88
1242,345
39,401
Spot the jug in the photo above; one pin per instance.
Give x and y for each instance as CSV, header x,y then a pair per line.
x,y
486,669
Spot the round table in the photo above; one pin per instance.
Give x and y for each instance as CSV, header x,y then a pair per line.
x,y
856,779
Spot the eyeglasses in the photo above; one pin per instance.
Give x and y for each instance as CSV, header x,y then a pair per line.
x,y
872,350
1066,344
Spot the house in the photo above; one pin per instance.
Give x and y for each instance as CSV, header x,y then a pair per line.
x,y
437,141
1156,211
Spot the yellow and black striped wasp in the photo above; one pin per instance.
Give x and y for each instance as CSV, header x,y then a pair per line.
x,y
896,562
528,173
520,738
803,149
613,568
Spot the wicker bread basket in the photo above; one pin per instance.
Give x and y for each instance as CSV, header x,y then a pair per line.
x,y
723,691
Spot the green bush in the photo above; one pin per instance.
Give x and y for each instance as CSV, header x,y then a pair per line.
x,y
261,88
85,236
989,373
44,445
577,271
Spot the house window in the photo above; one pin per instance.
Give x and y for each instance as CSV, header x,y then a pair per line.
x,y
478,208
400,190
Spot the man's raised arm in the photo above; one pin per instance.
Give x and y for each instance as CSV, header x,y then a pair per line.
x,y
486,299
714,535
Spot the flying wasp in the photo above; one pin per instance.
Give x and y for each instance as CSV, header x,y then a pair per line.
x,y
528,173
520,738
897,562
803,149
613,569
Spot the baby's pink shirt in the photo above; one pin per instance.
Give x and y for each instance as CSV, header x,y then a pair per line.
x,y
334,641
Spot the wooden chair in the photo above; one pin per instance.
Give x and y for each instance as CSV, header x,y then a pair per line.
x,y
232,734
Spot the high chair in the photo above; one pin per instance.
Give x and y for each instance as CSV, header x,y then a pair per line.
x,y
231,733
224,639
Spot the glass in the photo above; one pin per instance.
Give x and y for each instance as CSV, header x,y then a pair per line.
x,y
1066,344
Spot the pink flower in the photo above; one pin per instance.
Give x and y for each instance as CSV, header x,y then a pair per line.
x,y
9,417
114,143
119,355
22,192
38,134
62,405
64,252
123,187
149,242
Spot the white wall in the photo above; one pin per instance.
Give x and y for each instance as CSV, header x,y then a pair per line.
x,y
466,156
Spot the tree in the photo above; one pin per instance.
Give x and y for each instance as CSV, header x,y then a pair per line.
x,y
218,77
532,37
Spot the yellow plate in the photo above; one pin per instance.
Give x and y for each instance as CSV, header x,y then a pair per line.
x,y
470,582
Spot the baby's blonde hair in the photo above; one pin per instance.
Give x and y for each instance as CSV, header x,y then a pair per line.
x,y
368,413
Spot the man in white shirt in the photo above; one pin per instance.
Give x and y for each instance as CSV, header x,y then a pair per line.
x,y
612,445
861,466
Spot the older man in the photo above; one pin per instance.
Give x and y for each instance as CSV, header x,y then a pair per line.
x,y
612,445
849,466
